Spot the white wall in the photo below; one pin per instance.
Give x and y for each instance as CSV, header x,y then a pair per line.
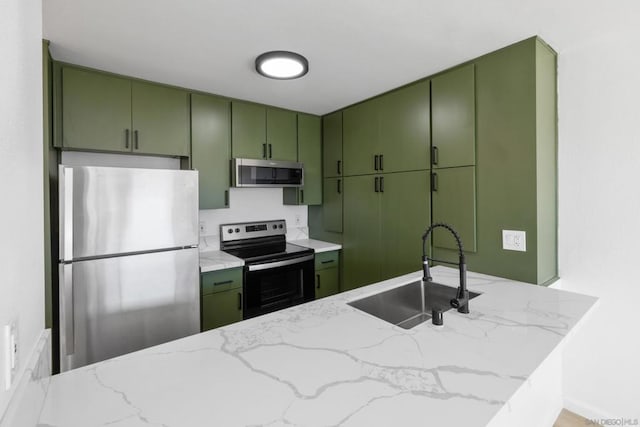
x,y
599,219
21,177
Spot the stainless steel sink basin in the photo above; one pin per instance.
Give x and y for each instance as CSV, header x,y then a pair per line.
x,y
402,306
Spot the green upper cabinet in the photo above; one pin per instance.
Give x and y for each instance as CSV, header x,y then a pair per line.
x,y
160,120
109,113
248,130
281,140
404,129
360,138
332,204
261,132
332,145
454,203
211,148
310,154
454,118
405,216
96,113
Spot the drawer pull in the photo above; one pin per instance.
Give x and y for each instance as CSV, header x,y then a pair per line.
x,y
226,282
327,261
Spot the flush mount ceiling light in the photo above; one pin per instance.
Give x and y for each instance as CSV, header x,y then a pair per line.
x,y
282,65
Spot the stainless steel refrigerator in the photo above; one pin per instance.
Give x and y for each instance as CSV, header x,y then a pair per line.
x,y
129,276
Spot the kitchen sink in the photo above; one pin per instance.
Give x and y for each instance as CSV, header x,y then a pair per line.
x,y
402,306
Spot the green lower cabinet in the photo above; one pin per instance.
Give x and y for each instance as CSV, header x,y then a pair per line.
x,y
211,148
361,237
332,204
221,298
404,218
327,265
454,202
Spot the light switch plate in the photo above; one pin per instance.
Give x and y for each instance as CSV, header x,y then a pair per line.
x,y
11,353
514,240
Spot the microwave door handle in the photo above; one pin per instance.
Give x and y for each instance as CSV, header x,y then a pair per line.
x,y
276,264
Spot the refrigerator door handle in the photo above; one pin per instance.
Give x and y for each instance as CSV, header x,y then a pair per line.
x,y
66,309
66,212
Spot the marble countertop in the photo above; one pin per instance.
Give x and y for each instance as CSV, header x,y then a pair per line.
x,y
317,245
212,260
218,260
326,363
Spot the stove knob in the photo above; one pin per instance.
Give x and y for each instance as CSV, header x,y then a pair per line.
x,y
275,226
237,230
229,231
280,226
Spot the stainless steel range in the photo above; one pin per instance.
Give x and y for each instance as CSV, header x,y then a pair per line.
x,y
277,274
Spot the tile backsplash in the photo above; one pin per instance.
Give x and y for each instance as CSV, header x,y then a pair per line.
x,y
252,204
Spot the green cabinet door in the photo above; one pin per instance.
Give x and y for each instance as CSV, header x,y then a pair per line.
x,y
361,234
453,118
248,130
281,139
221,308
310,154
454,202
332,190
96,112
211,148
327,282
332,145
360,138
160,120
405,216
404,129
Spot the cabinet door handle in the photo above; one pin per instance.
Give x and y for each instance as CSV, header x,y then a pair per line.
x,y
382,184
264,150
434,182
376,184
270,151
126,138
224,282
339,166
434,155
317,281
226,197
375,162
239,300
302,196
381,164
339,186
135,138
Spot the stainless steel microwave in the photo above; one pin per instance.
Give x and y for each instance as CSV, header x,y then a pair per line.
x,y
266,173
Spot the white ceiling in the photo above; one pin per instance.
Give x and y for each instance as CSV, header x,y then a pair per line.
x,y
356,48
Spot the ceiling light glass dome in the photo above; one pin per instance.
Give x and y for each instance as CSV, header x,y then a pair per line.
x,y
283,65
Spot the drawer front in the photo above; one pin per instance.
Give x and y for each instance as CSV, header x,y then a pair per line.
x,y
326,260
222,280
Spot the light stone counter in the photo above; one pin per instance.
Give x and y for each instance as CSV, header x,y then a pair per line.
x,y
317,245
218,260
325,363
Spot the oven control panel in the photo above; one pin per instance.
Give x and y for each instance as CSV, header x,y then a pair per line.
x,y
250,230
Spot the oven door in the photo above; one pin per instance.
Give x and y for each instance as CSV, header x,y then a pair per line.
x,y
274,285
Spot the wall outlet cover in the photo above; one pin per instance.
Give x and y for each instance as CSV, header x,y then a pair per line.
x,y
11,353
514,240
203,228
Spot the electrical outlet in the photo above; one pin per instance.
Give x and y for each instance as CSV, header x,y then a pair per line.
x,y
203,228
11,353
513,240
298,219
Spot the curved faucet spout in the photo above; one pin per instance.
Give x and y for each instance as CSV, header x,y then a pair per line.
x,y
461,302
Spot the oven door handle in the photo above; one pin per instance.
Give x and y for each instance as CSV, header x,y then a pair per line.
x,y
275,264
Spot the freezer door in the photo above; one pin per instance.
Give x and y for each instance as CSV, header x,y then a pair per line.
x,y
113,306
107,211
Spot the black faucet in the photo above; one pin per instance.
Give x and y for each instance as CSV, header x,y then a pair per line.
x,y
461,301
